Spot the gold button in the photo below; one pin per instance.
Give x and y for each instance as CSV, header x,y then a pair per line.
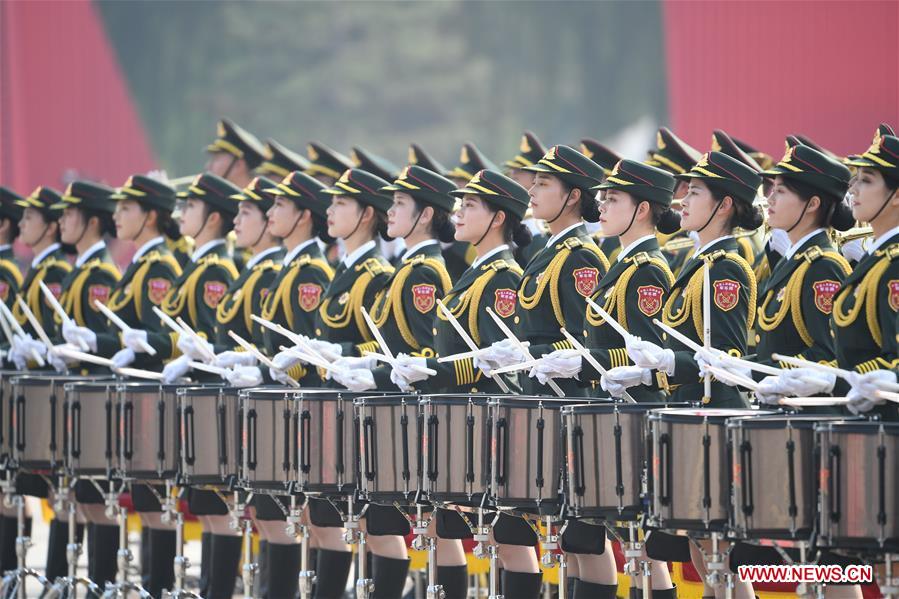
x,y
585,334
474,389
833,335
758,338
318,331
434,331
517,320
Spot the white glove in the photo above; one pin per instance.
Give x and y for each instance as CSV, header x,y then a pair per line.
x,y
560,364
244,376
196,348
367,362
133,338
771,389
283,362
502,353
23,348
58,362
229,359
123,357
854,250
329,351
175,369
862,396
619,379
357,379
646,354
705,357
779,241
405,373
803,382
74,334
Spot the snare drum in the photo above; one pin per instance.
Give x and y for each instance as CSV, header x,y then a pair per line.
x,y
37,418
210,434
388,447
270,438
527,444
150,442
7,404
691,475
775,468
93,420
859,485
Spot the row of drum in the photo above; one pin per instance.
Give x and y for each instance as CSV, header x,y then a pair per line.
x,y
749,473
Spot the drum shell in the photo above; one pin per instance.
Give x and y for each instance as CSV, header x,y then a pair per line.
x,y
775,463
328,435
93,423
691,475
150,446
859,485
389,447
270,439
38,420
7,405
455,447
606,458
527,451
210,422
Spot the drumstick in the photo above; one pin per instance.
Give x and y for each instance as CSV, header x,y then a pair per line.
x,y
57,307
840,372
511,336
277,328
470,354
316,361
6,330
707,327
518,367
82,356
18,328
260,356
608,318
724,356
114,318
138,373
802,402
591,360
202,343
222,372
887,395
36,326
393,362
722,374
376,333
167,320
469,342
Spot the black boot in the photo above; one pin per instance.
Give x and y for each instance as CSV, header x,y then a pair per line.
x,y
656,594
571,581
57,540
332,568
263,572
8,533
389,576
283,571
521,585
103,545
592,590
226,551
159,569
454,580
205,562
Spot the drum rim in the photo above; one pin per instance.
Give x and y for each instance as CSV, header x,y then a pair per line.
x,y
195,390
804,421
33,379
535,401
455,399
861,426
268,392
710,415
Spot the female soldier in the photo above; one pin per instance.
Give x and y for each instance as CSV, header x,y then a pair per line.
x,y
357,215
490,219
864,309
195,295
86,220
566,270
636,205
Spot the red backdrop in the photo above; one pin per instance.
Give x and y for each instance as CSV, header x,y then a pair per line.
x,y
763,70
64,103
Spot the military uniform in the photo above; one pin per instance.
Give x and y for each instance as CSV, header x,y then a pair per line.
x,y
325,164
634,289
732,294
10,275
557,280
530,150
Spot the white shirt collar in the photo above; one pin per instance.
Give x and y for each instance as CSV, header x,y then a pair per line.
x,y
89,252
492,252
257,258
795,247
5,246
205,249
146,248
625,251
351,258
417,247
296,251
46,252
560,234
882,240
711,243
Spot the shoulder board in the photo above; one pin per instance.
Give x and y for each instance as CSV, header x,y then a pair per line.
x,y
639,259
375,267
497,265
266,264
571,243
715,256
814,253
54,263
892,251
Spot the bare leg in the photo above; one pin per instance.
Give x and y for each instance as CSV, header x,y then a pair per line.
x,y
599,569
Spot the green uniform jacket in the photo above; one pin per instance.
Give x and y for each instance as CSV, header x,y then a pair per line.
x,y
405,309
339,317
10,277
523,255
864,317
552,295
93,280
195,298
733,306
293,300
245,297
143,287
50,271
493,284
633,292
